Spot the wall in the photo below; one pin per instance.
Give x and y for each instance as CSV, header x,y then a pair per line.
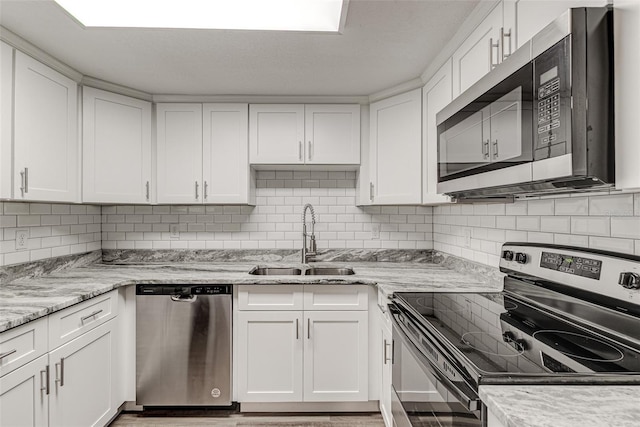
x,y
275,221
603,221
54,230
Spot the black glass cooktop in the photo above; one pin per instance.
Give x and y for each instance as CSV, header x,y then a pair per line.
x,y
499,336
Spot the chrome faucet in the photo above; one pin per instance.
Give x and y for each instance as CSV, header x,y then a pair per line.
x,y
310,253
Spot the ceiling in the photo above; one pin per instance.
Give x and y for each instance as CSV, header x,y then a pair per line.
x,y
384,43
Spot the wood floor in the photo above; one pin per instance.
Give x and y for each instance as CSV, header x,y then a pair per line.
x,y
249,420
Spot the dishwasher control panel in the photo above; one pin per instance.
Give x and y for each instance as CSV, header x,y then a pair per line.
x,y
180,289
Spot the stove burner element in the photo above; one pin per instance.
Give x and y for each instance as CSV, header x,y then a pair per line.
x,y
476,339
572,344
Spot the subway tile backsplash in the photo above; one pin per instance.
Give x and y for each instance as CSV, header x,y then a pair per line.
x,y
276,220
52,230
601,221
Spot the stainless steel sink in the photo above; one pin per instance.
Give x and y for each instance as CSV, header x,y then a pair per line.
x,y
275,271
329,271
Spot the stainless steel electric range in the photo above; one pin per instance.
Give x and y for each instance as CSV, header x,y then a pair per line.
x,y
566,316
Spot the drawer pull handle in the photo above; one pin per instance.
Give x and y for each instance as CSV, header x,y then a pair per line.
x,y
92,315
8,353
61,378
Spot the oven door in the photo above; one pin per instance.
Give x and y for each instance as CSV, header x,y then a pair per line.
x,y
422,394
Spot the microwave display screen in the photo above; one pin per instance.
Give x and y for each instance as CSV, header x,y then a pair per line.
x,y
546,76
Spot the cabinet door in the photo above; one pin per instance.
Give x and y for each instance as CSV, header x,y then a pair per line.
x,y
23,395
436,94
385,383
82,379
179,151
45,133
477,55
332,134
270,356
117,148
226,154
336,356
534,15
506,134
276,133
396,149
6,118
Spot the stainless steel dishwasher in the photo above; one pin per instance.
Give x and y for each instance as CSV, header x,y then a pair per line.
x,y
183,345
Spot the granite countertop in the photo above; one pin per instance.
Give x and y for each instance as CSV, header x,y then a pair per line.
x,y
563,406
27,299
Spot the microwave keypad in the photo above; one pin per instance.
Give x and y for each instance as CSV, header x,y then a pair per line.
x,y
549,109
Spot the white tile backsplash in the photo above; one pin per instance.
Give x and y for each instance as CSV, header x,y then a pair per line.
x,y
602,221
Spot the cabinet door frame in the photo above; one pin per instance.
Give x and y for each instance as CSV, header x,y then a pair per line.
x,y
294,147
361,393
6,120
294,319
141,185
34,372
345,148
30,184
166,166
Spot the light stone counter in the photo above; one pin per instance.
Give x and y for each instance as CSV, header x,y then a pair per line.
x,y
563,406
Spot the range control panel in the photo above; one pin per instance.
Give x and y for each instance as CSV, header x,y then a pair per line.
x,y
578,266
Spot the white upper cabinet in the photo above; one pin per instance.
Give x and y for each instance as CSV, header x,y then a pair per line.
x,y
179,149
488,45
202,153
395,150
276,133
436,94
304,134
534,15
225,154
117,148
46,165
6,118
332,134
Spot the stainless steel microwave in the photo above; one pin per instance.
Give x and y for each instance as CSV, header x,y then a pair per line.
x,y
541,121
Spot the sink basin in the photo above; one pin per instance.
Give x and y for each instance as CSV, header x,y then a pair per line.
x,y
329,271
275,271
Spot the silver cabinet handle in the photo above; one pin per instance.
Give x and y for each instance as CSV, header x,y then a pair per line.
x,y
309,153
495,149
147,190
92,315
297,329
44,385
24,180
60,379
206,190
485,148
491,46
7,353
299,150
384,355
308,328
504,35
197,195
371,191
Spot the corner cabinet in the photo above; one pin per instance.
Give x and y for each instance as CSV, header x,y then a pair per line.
x,y
202,154
395,150
46,165
116,148
302,343
297,134
6,119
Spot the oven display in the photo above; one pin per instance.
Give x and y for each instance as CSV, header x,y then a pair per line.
x,y
577,266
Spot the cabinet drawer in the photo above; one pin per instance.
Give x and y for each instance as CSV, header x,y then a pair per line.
x,y
270,297
340,297
74,321
22,345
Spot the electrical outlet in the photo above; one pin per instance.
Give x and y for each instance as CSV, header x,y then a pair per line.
x,y
22,240
467,237
375,231
174,231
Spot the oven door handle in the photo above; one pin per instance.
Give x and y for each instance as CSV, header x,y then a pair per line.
x,y
469,399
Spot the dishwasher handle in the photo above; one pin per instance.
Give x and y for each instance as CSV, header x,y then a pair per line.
x,y
184,298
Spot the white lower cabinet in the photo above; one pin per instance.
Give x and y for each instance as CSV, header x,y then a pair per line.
x,y
301,355
75,384
385,383
23,395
